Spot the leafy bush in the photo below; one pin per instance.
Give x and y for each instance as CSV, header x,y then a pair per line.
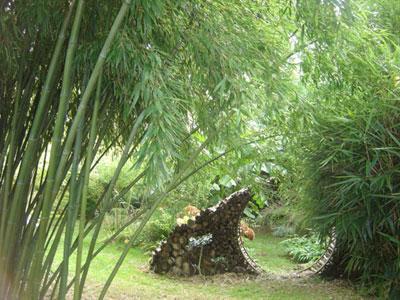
x,y
95,190
345,135
283,220
283,231
157,229
304,249
354,187
99,180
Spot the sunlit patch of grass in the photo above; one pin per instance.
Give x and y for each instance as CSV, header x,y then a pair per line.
x,y
269,253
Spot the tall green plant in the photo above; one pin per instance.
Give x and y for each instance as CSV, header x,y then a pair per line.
x,y
343,141
168,69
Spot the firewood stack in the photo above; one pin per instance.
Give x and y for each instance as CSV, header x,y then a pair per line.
x,y
208,245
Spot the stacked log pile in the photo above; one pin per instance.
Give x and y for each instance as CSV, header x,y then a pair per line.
x,y
209,244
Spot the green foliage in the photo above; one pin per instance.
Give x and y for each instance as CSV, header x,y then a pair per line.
x,y
164,82
310,85
283,230
353,186
157,229
283,217
343,133
269,252
304,249
114,219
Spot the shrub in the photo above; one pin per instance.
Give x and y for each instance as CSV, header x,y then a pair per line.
x,y
283,231
347,136
353,185
282,220
95,190
157,229
304,249
99,179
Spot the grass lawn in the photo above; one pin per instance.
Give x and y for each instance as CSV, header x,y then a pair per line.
x,y
269,253
135,282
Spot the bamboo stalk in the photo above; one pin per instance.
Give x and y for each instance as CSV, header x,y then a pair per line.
x,y
8,180
107,196
56,220
89,158
28,159
56,144
91,84
61,164
25,256
158,200
71,215
88,230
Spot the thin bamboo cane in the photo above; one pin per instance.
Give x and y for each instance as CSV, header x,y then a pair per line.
x,y
11,145
8,180
26,240
69,142
48,263
55,149
89,228
3,156
106,199
26,165
91,84
32,216
89,158
54,220
71,215
158,200
56,145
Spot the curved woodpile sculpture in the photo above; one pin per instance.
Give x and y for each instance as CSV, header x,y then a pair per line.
x,y
326,262
211,244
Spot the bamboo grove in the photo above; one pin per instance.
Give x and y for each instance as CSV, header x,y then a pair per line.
x,y
343,134
167,85
81,77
